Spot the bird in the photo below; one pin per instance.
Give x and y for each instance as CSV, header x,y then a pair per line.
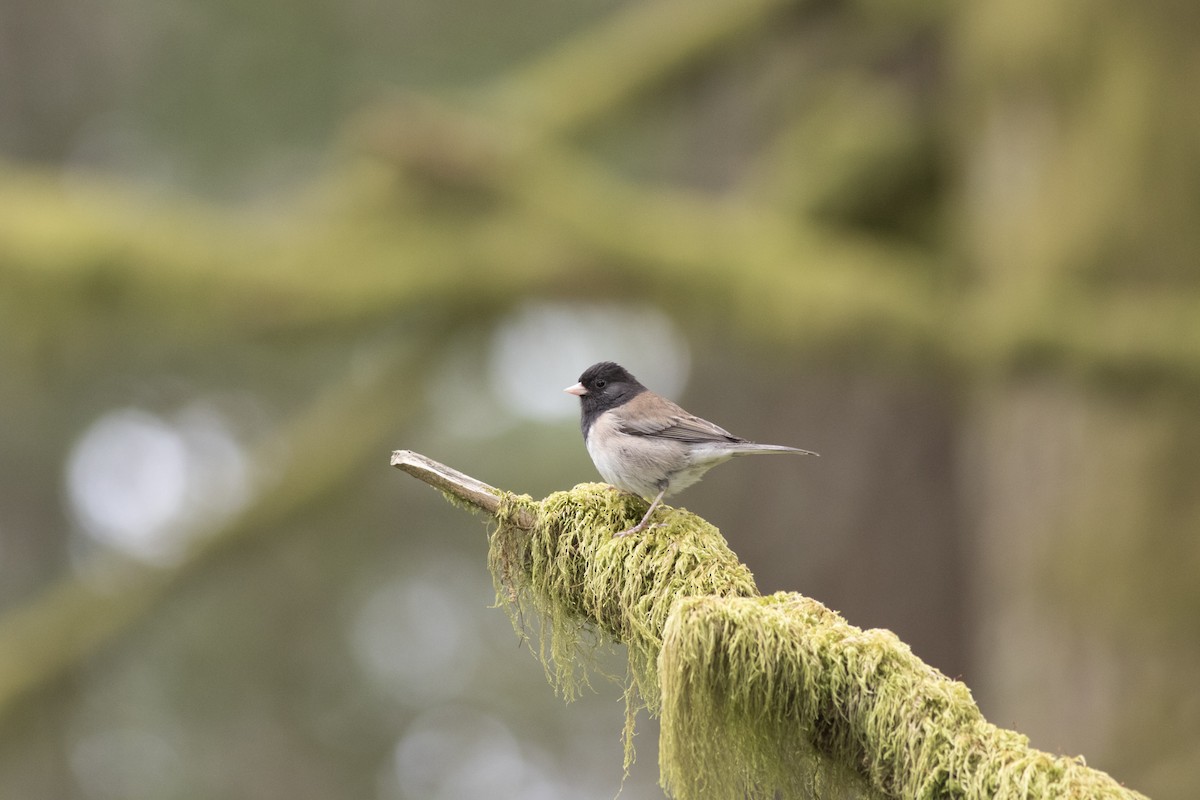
x,y
643,443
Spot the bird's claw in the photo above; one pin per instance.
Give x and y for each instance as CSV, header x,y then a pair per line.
x,y
638,529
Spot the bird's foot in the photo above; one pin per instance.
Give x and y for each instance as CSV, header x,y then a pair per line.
x,y
641,526
645,517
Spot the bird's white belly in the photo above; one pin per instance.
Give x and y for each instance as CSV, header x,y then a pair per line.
x,y
644,465
618,466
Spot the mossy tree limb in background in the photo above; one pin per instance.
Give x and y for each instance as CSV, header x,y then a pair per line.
x,y
758,695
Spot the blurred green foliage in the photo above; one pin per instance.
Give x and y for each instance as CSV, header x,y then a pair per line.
x,y
958,242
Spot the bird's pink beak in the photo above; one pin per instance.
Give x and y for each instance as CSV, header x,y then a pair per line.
x,y
576,390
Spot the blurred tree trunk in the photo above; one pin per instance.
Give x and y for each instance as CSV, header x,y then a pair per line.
x,y
1080,145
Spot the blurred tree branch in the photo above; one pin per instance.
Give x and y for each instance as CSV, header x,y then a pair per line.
x,y
560,214
590,75
781,280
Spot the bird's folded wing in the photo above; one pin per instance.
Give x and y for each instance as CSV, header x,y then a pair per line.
x,y
683,428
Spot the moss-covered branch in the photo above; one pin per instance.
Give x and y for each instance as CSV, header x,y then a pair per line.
x,y
757,694
789,686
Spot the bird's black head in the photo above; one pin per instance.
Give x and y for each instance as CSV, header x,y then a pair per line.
x,y
601,387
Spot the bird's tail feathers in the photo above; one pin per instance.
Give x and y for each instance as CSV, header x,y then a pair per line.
x,y
753,448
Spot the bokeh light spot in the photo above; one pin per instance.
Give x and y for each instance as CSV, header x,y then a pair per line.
x,y
412,638
146,485
543,347
460,753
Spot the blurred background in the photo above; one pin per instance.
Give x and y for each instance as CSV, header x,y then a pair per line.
x,y
249,248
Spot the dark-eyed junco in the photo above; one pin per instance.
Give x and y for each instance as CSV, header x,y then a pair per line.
x,y
645,444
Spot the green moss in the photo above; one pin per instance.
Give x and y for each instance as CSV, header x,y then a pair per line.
x,y
779,694
760,696
578,580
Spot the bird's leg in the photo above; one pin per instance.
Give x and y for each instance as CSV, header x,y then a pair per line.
x,y
642,525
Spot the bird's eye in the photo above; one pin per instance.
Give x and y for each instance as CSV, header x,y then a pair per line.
x,y
601,383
